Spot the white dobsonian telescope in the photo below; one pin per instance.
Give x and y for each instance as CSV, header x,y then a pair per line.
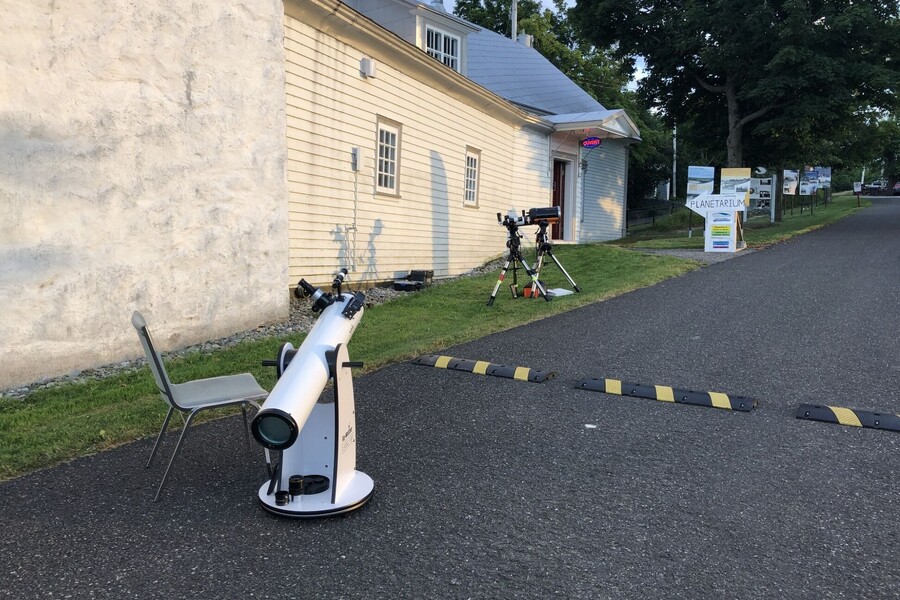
x,y
316,475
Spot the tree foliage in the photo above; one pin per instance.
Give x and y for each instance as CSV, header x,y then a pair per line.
x,y
779,75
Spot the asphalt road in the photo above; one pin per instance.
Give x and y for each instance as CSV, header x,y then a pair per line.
x,y
494,488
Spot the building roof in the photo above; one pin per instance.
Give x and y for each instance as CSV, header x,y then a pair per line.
x,y
614,123
522,75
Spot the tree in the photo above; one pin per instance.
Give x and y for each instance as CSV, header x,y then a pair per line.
x,y
494,14
793,69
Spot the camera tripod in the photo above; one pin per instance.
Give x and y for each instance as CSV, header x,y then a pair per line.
x,y
545,248
515,259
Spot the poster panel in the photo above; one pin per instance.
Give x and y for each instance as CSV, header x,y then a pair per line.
x,y
789,186
761,189
700,179
736,181
809,183
824,177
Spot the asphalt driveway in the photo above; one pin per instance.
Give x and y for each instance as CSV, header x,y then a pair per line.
x,y
494,488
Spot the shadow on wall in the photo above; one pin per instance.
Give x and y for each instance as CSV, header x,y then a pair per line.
x,y
345,236
371,272
440,217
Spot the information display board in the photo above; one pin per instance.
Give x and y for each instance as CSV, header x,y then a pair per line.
x,y
720,212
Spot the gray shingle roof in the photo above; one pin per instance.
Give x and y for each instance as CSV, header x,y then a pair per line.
x,y
523,76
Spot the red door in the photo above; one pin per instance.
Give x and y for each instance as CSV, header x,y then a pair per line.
x,y
559,197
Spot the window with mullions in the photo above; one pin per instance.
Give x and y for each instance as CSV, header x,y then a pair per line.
x,y
388,159
443,46
473,158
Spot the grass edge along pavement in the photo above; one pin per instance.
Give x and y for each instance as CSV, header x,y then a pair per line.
x,y
71,420
671,233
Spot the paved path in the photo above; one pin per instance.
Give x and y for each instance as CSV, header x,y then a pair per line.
x,y
491,488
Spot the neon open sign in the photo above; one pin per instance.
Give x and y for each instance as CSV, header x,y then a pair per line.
x,y
591,142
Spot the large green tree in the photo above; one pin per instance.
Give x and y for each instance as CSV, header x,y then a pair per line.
x,y
790,71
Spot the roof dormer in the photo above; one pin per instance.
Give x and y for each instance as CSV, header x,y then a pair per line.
x,y
441,34
425,24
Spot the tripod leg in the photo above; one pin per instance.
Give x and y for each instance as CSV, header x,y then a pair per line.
x,y
564,272
490,301
537,274
534,278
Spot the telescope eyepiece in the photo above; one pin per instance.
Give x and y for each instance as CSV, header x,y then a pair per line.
x,y
320,299
304,289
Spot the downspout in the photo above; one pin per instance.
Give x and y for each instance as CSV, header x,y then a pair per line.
x,y
625,193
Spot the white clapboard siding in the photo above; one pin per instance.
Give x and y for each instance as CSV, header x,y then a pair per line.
x,y
604,193
336,217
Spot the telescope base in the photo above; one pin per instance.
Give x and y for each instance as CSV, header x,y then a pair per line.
x,y
310,506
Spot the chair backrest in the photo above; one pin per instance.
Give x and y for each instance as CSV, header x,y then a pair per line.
x,y
154,360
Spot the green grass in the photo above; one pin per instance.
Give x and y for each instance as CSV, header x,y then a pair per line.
x,y
671,232
76,419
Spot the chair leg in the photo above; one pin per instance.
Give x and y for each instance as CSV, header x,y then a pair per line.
x,y
159,437
246,424
265,450
187,423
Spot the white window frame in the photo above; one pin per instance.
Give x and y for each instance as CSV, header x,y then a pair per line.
x,y
472,177
387,155
441,45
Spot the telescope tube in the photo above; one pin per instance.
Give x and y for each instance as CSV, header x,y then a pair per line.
x,y
290,402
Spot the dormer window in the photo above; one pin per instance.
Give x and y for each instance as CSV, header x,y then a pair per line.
x,y
443,46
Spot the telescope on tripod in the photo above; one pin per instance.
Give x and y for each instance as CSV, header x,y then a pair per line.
x,y
316,474
543,218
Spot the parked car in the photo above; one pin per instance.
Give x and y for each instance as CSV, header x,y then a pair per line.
x,y
897,189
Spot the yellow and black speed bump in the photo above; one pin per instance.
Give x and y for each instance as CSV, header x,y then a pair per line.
x,y
665,393
849,416
480,367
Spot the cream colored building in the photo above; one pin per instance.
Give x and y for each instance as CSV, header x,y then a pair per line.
x,y
194,161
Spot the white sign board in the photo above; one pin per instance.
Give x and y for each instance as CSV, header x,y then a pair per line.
x,y
721,232
719,211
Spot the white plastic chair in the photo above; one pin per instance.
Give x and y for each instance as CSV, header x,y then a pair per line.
x,y
194,396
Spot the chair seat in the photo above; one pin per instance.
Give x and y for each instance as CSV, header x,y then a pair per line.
x,y
217,390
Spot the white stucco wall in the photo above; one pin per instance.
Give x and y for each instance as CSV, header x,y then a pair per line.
x,y
142,166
